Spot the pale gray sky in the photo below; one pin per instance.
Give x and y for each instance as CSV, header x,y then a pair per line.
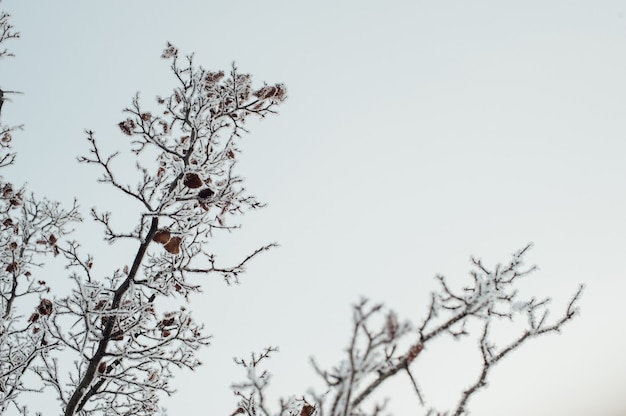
x,y
415,134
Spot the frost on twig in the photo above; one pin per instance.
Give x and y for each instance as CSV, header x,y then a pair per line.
x,y
29,229
123,339
125,347
6,33
380,347
251,392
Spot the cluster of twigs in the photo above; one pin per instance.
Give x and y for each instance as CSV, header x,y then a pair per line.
x,y
380,347
124,348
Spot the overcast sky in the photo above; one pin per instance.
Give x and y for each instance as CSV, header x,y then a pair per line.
x,y
415,135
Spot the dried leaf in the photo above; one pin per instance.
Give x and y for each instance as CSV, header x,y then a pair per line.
x,y
45,307
173,245
161,236
307,410
127,126
205,193
192,180
7,191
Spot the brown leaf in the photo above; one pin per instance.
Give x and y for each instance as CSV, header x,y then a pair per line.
x,y
173,246
127,126
162,236
166,322
307,410
118,336
192,180
102,367
238,411
45,307
100,305
205,193
7,191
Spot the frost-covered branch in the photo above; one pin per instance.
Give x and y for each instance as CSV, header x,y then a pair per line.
x,y
125,348
380,347
6,33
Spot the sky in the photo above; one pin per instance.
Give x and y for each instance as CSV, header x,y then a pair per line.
x,y
415,135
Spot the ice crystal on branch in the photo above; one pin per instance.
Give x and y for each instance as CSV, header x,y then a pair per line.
x,y
380,347
124,347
